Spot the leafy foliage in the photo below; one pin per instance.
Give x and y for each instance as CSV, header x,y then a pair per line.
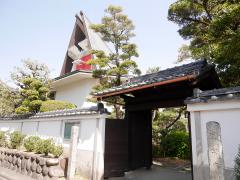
x,y
53,105
167,121
3,140
45,146
213,28
33,82
16,139
33,92
31,143
237,165
176,144
57,150
153,70
9,98
116,29
31,69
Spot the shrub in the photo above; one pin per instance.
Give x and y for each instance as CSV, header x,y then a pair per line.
x,y
237,165
176,144
16,139
157,151
57,150
31,143
3,140
22,110
45,146
53,105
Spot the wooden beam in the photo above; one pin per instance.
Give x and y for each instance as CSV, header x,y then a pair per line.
x,y
178,79
155,104
176,94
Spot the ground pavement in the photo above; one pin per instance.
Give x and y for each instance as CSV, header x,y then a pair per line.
x,y
7,174
156,173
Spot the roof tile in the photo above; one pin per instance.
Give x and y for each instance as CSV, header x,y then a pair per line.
x,y
194,68
66,112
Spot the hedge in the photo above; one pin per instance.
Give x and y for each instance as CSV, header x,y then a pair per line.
x,y
53,105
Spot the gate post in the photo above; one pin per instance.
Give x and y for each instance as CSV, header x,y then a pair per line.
x,y
72,153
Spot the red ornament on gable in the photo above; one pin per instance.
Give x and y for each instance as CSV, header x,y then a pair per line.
x,y
83,65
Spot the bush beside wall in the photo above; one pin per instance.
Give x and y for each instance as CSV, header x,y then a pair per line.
x,y
53,105
3,139
16,139
31,144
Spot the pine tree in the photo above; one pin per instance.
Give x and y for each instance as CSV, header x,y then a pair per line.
x,y
34,85
116,29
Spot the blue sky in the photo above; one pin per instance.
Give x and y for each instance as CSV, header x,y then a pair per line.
x,y
41,30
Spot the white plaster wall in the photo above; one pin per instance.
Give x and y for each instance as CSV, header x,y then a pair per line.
x,y
50,129
87,132
227,114
29,128
76,92
10,126
230,124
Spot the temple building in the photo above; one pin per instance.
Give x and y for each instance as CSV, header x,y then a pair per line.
x,y
75,81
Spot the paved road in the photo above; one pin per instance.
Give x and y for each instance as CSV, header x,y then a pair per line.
x,y
156,173
7,174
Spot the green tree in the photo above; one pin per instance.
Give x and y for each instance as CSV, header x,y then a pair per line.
x,y
34,88
166,121
33,92
116,29
31,69
33,83
153,69
213,28
9,98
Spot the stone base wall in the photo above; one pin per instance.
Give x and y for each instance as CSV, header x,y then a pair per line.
x,y
31,165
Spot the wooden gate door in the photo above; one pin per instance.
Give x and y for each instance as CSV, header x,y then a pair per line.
x,y
116,148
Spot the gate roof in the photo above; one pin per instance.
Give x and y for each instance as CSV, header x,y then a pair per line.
x,y
198,74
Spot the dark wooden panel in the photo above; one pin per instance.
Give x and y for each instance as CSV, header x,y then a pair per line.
x,y
140,139
116,148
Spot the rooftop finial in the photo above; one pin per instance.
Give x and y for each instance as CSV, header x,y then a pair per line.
x,y
196,92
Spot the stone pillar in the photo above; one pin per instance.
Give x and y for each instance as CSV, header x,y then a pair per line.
x,y
215,151
73,153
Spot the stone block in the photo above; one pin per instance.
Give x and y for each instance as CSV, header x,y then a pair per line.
x,y
55,171
52,162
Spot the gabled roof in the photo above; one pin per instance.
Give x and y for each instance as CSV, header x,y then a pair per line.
x,y
82,31
215,95
178,73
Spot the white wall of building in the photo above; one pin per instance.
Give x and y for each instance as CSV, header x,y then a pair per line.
x,y
29,128
76,92
91,138
227,114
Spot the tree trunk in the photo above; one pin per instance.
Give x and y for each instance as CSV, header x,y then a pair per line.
x,y
118,111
